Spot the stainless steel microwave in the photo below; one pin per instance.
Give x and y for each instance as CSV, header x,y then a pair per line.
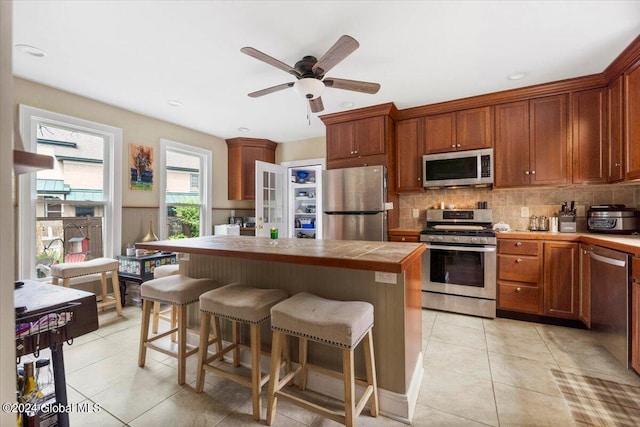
x,y
458,168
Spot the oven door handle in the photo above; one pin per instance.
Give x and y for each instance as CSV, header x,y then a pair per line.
x,y
462,248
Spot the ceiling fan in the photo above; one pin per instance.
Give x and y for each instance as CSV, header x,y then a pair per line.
x,y
310,73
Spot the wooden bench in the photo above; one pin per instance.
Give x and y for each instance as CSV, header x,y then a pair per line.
x,y
69,270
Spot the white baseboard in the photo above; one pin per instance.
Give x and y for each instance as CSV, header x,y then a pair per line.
x,y
397,406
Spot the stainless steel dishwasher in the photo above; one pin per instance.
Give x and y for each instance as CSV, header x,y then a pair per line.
x,y
610,273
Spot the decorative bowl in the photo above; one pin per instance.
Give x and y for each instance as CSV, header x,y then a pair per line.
x,y
302,174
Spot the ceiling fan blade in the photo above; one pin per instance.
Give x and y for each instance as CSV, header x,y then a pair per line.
x,y
354,85
340,50
316,105
269,90
269,60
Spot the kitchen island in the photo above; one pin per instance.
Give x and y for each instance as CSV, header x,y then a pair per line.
x,y
385,274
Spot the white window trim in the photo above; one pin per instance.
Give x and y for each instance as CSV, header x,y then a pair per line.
x,y
112,184
206,175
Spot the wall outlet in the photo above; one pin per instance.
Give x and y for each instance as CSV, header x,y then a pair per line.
x,y
524,211
384,277
415,213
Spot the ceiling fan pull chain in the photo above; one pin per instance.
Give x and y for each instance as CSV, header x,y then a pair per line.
x,y
308,114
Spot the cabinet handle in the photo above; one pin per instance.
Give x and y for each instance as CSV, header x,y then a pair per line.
x,y
533,172
419,179
457,145
519,260
518,243
352,152
526,172
616,165
518,289
404,238
355,152
453,145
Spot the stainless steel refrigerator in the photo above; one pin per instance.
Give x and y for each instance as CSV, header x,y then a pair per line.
x,y
353,206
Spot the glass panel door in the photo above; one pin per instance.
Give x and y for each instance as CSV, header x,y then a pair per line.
x,y
271,199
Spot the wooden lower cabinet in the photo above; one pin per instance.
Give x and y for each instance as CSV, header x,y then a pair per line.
x,y
539,277
635,327
561,286
409,236
635,315
584,312
519,275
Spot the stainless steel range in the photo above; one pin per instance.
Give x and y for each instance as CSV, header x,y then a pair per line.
x,y
459,270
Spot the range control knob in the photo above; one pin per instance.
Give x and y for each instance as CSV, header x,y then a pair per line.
x,y
439,238
474,239
456,239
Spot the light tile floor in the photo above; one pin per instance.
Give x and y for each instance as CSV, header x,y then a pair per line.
x,y
477,372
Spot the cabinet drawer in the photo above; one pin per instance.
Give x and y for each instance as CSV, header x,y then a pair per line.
x,y
519,268
518,247
518,297
398,238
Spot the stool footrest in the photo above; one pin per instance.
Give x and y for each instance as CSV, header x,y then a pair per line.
x,y
234,377
162,335
192,349
328,413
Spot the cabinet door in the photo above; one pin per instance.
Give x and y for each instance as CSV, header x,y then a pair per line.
x,y
511,161
615,130
590,149
584,312
561,287
635,327
340,141
440,135
409,143
548,141
474,129
632,120
369,136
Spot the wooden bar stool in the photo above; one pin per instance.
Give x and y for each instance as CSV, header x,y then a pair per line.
x,y
68,270
341,324
169,314
239,304
178,291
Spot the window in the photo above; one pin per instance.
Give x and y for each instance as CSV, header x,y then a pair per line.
x,y
185,204
79,200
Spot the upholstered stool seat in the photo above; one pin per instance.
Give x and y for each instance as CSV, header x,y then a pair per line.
x,y
159,272
342,324
69,270
179,291
239,304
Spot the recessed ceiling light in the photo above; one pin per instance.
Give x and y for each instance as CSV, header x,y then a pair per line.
x,y
243,129
174,103
347,104
31,50
517,76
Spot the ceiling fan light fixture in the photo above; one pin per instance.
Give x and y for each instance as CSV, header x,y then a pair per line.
x,y
517,76
31,50
309,87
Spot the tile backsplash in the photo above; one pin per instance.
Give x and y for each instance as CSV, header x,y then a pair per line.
x,y
507,203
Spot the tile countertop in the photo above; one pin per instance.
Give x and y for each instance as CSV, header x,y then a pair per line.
x,y
624,243
391,257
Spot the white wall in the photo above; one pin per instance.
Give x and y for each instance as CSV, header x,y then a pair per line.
x,y
315,148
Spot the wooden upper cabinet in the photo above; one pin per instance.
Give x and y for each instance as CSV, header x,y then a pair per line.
x,y
589,144
242,155
440,133
474,128
511,157
548,143
531,144
632,121
615,130
461,130
369,136
409,150
356,139
342,141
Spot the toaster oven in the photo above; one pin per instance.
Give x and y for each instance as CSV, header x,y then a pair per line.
x,y
614,219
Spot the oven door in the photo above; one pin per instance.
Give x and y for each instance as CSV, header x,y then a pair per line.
x,y
466,270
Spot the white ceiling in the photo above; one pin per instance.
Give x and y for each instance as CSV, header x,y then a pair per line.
x,y
138,55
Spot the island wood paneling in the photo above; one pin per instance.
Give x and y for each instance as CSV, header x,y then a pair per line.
x,y
398,324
